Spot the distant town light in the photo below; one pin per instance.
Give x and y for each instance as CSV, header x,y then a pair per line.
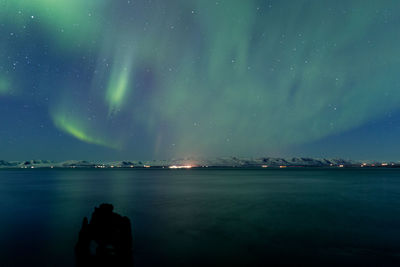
x,y
180,167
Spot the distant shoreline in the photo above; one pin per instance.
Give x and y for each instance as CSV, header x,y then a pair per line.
x,y
204,168
198,163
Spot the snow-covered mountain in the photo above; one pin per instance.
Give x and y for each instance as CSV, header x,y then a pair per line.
x,y
197,162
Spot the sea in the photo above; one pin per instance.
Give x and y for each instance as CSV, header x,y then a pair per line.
x,y
208,217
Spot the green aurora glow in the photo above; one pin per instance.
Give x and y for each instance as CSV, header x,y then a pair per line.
x,y
79,129
4,86
227,77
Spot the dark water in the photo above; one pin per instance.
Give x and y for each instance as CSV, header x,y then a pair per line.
x,y
208,217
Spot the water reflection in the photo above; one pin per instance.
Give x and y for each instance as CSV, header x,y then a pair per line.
x,y
202,216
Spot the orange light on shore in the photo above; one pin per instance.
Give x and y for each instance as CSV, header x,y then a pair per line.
x,y
282,166
180,167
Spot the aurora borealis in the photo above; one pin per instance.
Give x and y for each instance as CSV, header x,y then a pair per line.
x,y
118,79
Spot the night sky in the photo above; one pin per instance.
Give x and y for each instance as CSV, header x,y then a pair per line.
x,y
155,79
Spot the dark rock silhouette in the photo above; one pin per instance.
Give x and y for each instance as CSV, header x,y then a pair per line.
x,y
106,240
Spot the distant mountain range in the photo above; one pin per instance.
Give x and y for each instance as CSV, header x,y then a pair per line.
x,y
262,162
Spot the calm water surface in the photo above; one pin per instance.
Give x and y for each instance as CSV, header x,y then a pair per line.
x,y
208,217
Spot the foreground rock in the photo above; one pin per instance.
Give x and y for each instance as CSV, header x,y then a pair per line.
x,y
106,240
